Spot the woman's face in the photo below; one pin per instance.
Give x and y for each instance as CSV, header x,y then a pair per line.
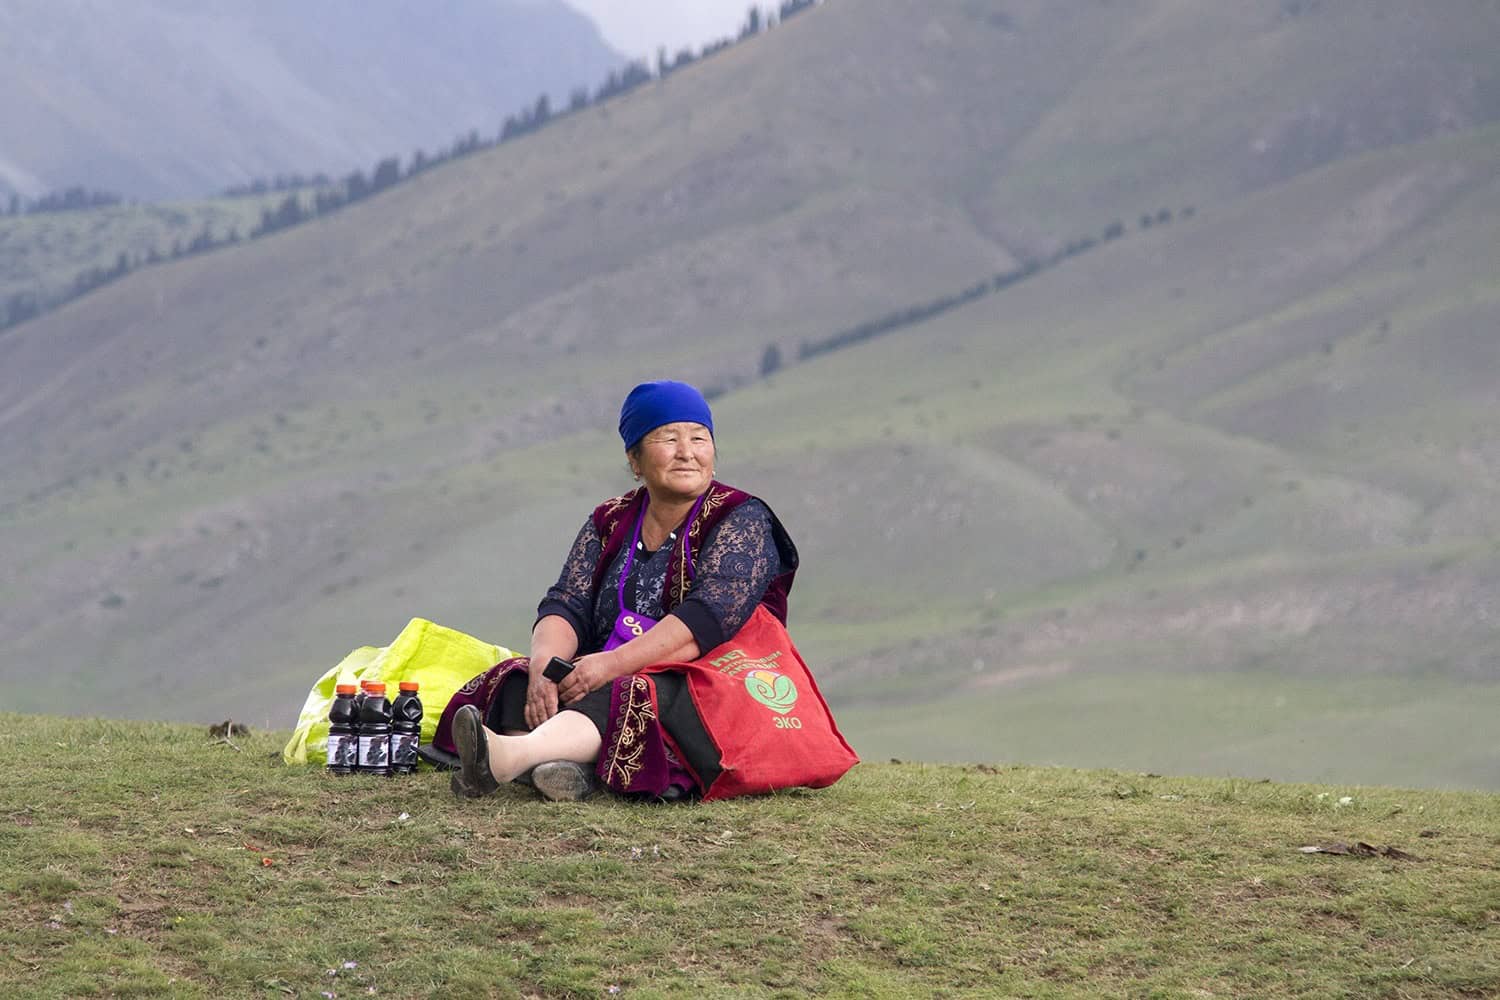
x,y
676,461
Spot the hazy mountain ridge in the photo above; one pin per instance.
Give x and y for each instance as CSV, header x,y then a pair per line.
x,y
175,100
1249,440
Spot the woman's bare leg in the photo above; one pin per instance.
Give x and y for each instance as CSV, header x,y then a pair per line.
x,y
568,735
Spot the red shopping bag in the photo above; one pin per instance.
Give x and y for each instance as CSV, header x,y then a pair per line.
x,y
764,713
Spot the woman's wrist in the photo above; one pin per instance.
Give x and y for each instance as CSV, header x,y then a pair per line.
x,y
615,663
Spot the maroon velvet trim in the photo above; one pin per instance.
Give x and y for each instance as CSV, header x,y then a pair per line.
x,y
480,691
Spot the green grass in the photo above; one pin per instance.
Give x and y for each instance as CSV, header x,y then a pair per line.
x,y
149,860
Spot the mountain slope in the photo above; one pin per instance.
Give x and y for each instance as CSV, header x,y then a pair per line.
x,y
171,100
1251,440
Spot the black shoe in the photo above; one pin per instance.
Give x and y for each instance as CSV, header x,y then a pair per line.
x,y
564,781
473,778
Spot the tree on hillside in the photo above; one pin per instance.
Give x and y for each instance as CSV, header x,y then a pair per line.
x,y
21,307
71,200
288,213
770,361
609,88
278,185
633,75
466,144
387,172
355,186
752,24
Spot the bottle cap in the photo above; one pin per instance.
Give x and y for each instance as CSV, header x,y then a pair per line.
x,y
345,689
365,684
408,685
377,687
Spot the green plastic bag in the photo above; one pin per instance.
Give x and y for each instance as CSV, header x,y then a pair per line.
x,y
441,660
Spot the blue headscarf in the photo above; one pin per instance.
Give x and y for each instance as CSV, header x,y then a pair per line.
x,y
652,404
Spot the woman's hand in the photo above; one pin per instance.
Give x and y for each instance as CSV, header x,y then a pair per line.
x,y
541,698
550,636
590,673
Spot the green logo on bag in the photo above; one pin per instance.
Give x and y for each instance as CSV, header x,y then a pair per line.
x,y
773,690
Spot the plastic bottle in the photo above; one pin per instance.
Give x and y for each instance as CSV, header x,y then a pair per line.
x,y
406,729
343,731
375,732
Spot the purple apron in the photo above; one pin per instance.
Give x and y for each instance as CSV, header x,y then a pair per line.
x,y
629,624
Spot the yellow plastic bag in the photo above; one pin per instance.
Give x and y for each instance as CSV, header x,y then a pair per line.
x,y
440,659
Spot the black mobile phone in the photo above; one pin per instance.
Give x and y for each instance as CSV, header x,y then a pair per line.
x,y
557,668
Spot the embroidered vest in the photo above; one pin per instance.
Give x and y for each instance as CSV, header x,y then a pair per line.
x,y
615,521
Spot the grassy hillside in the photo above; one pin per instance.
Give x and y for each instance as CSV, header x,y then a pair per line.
x,y
42,255
1242,452
150,860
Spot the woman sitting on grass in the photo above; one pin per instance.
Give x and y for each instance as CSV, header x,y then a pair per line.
x,y
655,580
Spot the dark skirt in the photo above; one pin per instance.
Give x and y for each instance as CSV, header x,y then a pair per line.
x,y
654,742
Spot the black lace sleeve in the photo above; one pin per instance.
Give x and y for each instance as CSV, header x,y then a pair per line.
x,y
736,564
569,597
